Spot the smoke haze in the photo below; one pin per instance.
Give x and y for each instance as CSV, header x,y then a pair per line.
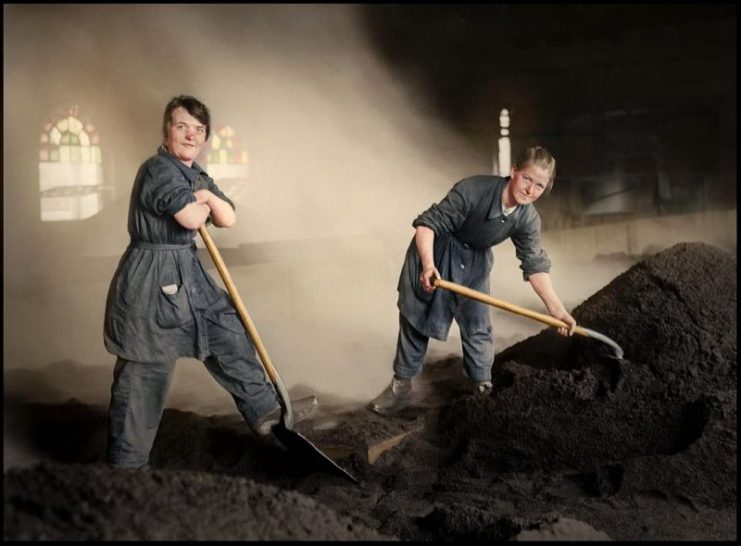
x,y
343,155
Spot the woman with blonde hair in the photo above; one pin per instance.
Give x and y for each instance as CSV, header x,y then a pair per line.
x,y
453,240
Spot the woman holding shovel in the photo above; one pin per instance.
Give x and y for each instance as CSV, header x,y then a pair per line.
x,y
453,241
162,305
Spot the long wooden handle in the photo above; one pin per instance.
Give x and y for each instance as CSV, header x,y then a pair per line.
x,y
241,309
486,298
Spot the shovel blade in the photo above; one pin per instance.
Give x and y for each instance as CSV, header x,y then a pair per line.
x,y
299,445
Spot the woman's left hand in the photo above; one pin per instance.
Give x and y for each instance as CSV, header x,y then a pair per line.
x,y
569,320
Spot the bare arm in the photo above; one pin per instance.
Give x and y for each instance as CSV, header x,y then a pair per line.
x,y
424,238
193,215
222,212
541,283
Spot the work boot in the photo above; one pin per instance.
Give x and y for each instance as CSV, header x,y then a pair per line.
x,y
302,409
394,398
482,388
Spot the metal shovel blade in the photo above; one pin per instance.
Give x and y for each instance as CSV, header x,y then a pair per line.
x,y
298,444
283,431
616,349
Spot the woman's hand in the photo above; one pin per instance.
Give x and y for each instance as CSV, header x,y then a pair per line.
x,y
427,278
193,215
222,213
541,283
564,316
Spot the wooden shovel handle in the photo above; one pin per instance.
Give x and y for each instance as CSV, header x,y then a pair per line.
x,y
241,309
486,298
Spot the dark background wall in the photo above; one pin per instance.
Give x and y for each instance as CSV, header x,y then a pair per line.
x,y
643,92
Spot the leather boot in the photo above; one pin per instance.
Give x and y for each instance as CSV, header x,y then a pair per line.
x,y
482,388
394,398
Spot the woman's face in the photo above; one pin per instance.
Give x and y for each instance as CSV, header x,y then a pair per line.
x,y
186,136
526,185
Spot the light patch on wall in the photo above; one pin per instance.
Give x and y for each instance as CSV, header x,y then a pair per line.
x,y
227,162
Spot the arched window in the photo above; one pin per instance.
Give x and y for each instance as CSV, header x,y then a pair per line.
x,y
505,147
70,168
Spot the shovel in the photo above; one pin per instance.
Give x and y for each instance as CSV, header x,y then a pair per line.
x,y
546,319
284,430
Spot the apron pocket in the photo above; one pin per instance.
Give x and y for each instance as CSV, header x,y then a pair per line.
x,y
173,310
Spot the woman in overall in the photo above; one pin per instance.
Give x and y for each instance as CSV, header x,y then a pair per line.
x,y
453,240
162,305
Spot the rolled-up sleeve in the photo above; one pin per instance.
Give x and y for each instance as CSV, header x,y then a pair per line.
x,y
528,248
165,191
449,214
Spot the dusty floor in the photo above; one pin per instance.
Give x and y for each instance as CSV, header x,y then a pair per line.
x,y
571,443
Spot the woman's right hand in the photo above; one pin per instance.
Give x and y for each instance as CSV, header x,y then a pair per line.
x,y
194,215
427,278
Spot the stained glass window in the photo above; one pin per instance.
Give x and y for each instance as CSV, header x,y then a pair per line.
x,y
226,148
505,150
69,139
70,168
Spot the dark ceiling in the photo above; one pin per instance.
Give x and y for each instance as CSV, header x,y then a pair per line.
x,y
639,93
557,60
